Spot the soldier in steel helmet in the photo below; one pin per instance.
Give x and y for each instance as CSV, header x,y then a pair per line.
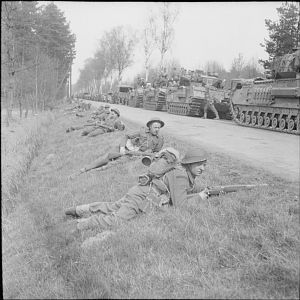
x,y
109,125
171,189
145,141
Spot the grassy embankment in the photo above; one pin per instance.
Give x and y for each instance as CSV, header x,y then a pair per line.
x,y
239,245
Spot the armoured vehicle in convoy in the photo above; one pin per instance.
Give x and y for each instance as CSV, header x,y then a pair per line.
x,y
136,97
189,98
124,94
155,98
272,103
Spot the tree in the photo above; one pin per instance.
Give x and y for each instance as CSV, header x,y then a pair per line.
x,y
251,69
119,46
237,66
283,34
38,49
148,38
165,31
215,67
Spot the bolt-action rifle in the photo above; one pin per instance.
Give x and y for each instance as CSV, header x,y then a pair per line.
x,y
109,128
220,190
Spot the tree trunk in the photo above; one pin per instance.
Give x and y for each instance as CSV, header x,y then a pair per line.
x,y
147,73
20,107
26,106
36,81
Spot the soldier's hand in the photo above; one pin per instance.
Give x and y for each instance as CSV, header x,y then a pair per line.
x,y
122,150
204,194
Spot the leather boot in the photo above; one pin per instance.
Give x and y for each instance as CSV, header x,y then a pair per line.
x,y
71,212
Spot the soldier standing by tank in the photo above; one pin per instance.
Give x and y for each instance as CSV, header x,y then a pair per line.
x,y
209,102
171,189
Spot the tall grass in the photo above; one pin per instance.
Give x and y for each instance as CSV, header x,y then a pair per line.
x,y
238,246
17,152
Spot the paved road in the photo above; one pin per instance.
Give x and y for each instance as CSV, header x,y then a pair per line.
x,y
275,152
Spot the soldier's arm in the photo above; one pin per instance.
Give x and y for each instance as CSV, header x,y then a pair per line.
x,y
129,136
160,144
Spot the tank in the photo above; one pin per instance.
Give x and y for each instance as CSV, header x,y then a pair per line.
x,y
271,103
185,99
155,98
189,98
136,97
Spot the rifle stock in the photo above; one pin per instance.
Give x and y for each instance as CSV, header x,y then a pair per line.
x,y
218,190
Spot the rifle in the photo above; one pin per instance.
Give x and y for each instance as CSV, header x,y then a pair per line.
x,y
219,190
109,128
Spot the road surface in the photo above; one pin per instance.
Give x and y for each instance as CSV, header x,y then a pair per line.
x,y
275,152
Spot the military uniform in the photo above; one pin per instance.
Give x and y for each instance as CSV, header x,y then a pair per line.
x,y
172,190
209,103
112,124
144,140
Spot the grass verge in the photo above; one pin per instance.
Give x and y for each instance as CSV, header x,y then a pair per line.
x,y
240,245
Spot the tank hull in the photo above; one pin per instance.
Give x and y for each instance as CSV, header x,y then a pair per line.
x,y
155,100
136,99
272,104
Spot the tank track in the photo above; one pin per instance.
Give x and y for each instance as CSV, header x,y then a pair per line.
x,y
184,109
158,103
261,117
136,101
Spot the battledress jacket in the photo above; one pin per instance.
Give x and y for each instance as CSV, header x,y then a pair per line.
x,y
114,124
180,182
145,140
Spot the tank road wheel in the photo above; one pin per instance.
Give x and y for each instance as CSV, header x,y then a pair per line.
x,y
242,117
267,121
260,120
274,122
291,124
248,119
253,120
282,124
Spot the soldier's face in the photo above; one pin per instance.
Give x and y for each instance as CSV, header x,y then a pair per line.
x,y
113,114
154,128
197,168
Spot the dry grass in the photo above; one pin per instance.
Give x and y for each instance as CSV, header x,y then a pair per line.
x,y
19,145
240,245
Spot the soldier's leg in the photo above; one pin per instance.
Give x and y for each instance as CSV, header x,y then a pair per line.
x,y
74,128
98,207
103,160
205,110
127,211
213,109
96,132
86,131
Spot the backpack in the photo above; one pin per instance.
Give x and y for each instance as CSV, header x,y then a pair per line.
x,y
165,161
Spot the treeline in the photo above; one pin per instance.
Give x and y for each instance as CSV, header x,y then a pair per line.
x,y
36,56
113,55
116,47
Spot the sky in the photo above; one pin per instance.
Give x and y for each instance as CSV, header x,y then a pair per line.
x,y
204,31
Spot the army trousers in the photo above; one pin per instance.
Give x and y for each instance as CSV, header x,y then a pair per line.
x,y
212,108
96,132
90,129
103,215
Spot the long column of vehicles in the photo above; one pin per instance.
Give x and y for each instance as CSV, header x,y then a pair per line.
x,y
268,103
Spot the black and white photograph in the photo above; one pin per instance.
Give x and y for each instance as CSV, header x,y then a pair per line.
x,y
150,150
